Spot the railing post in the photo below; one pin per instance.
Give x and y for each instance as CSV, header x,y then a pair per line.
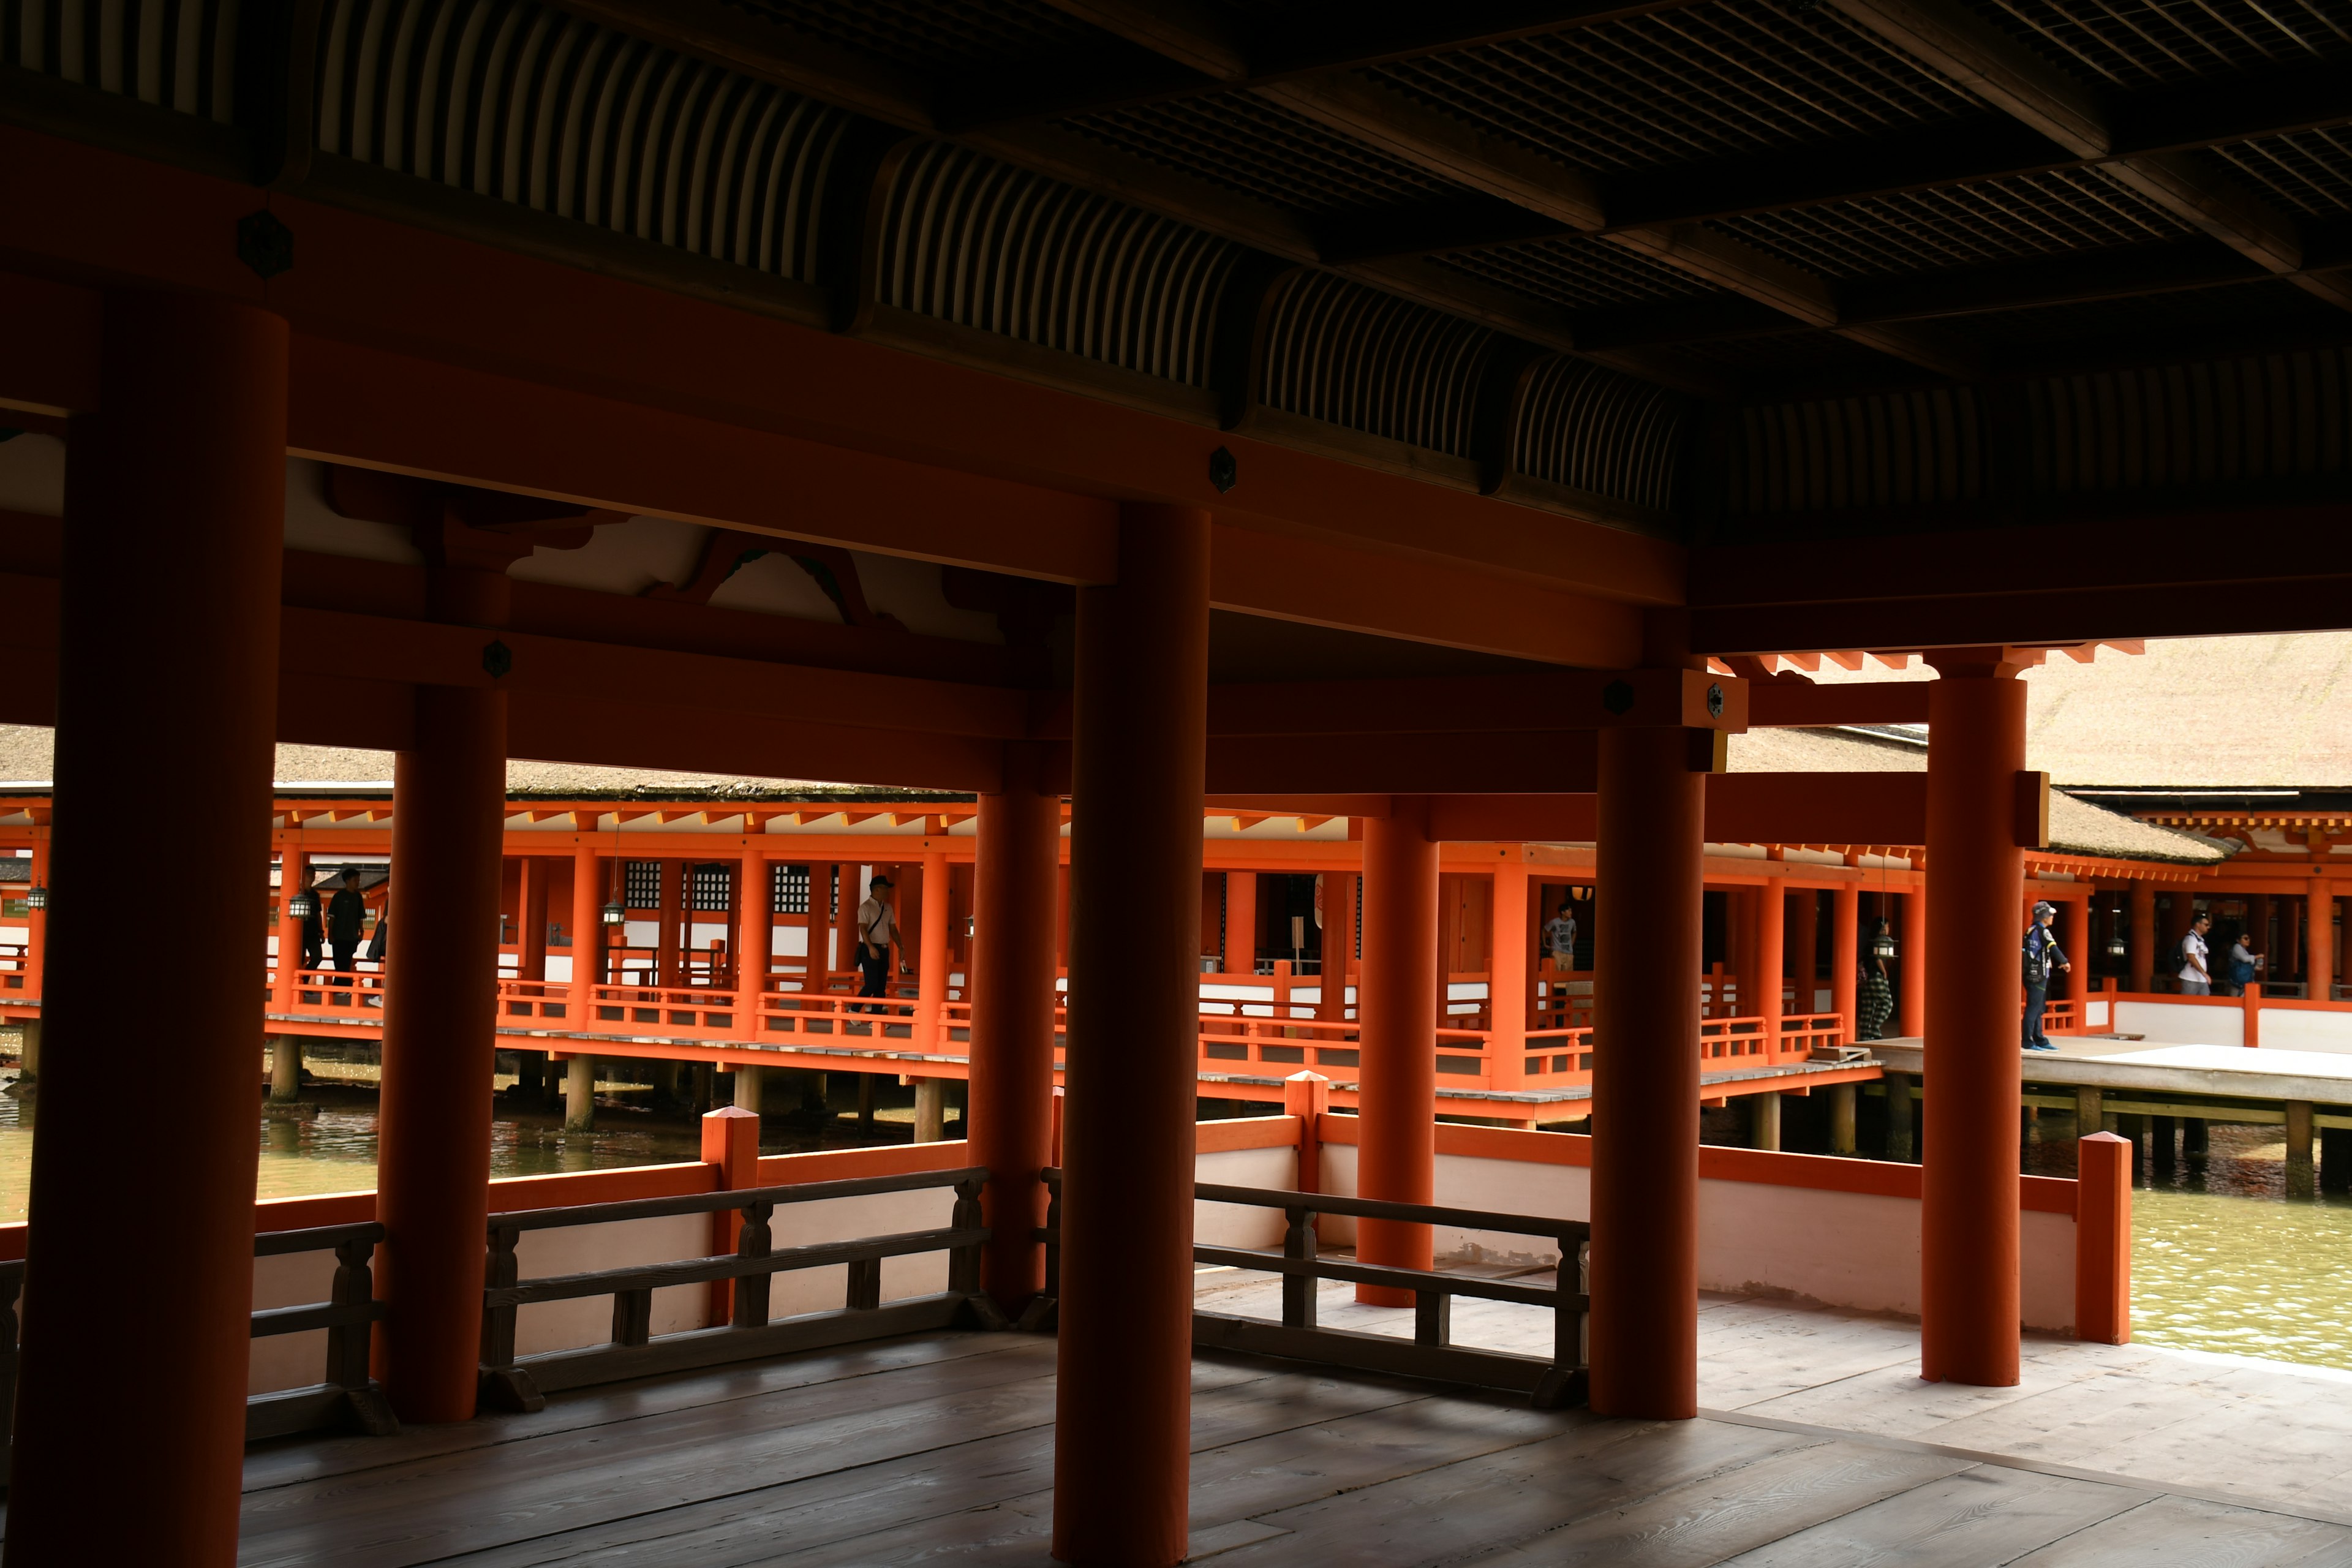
x,y
2253,1004
963,1263
755,1239
1433,1318
1298,1289
2103,1239
12,1281
1308,1095
731,1144
504,1386
348,1344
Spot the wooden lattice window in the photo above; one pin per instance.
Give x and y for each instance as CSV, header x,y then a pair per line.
x,y
714,886
789,890
641,884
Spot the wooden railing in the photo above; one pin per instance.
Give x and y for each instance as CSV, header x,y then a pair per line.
x,y
1549,1383
521,1383
346,1398
350,992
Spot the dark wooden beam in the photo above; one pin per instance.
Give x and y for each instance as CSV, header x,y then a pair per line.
x,y
1947,37
1203,49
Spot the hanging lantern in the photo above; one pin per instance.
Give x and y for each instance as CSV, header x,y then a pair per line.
x,y
303,905
2115,946
37,897
1882,944
615,914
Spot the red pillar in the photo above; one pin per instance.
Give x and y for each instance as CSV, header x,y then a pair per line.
x,y
1338,943
1122,1446
2288,963
532,944
168,623
1510,943
448,825
293,876
1241,922
1645,1325
931,954
2144,940
1845,951
2320,938
1911,967
1771,908
1804,948
755,907
1396,1009
1012,994
1969,1290
587,919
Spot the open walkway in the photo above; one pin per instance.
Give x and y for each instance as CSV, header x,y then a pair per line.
x,y
1822,1449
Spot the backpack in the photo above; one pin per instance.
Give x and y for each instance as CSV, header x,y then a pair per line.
x,y
2037,965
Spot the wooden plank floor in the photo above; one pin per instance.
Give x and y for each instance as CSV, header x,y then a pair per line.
x,y
939,1448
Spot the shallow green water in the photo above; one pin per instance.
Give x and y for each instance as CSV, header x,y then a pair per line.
x,y
336,1151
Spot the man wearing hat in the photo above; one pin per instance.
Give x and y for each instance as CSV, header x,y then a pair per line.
x,y
346,915
2042,953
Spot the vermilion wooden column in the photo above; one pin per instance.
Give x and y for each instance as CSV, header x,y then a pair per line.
x,y
2144,938
1241,922
1509,942
293,876
448,806
1122,1445
1396,1010
1771,910
168,626
1647,946
1014,888
1338,944
755,904
1845,951
1967,1217
1804,947
1912,966
532,949
2320,938
587,918
931,954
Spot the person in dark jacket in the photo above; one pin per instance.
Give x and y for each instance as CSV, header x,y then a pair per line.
x,y
2042,954
346,918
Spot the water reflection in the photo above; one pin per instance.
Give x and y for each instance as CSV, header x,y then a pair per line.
x,y
2222,1260
335,1151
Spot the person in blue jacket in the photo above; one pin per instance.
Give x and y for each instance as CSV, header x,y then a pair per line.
x,y
2041,955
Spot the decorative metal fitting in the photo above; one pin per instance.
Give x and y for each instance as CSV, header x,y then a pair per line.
x,y
1224,472
1618,696
1715,702
496,659
264,244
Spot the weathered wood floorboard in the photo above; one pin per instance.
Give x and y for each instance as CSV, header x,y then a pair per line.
x,y
909,1451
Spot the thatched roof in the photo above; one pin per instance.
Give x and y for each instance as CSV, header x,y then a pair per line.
x,y
26,759
2076,826
2190,713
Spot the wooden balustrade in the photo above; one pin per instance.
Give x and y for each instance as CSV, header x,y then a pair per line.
x,y
346,1397
1549,1383
513,1381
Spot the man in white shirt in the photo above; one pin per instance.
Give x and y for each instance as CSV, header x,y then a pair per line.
x,y
2195,979
877,928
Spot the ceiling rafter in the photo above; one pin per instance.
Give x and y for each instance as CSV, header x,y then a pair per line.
x,y
1214,51
1412,133
1946,38
772,52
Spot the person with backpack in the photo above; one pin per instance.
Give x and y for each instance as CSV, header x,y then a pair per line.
x,y
2196,980
2042,954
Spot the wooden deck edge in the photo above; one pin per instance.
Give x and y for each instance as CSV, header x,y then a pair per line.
x,y
1371,1353
699,1348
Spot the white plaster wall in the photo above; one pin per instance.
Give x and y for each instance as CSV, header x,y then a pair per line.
x,y
1237,1225
2173,1023
1855,1250
2295,1029
290,1361
579,1248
